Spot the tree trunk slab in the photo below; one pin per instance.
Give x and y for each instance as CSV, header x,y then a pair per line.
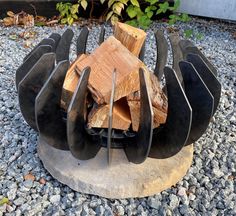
x,y
121,179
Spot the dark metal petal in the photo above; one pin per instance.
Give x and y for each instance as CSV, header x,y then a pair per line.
x,y
63,48
195,50
142,52
207,76
162,53
81,144
56,37
82,41
46,41
138,150
177,55
200,99
172,136
51,125
30,62
101,36
31,84
184,44
110,117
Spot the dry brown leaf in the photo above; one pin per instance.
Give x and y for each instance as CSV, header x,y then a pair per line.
x,y
8,21
29,177
10,14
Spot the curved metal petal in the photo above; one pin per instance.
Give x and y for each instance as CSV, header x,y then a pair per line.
x,y
170,139
63,48
30,62
109,151
184,44
31,84
56,37
194,50
46,41
101,36
49,121
81,144
162,53
138,150
82,41
177,55
142,52
207,76
200,99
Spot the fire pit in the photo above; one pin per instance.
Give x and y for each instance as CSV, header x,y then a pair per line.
x,y
86,139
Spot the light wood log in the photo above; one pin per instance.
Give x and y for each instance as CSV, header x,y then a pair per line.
x,y
110,55
70,83
98,117
158,99
132,38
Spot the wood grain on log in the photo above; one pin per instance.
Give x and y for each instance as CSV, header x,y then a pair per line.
x,y
132,38
109,55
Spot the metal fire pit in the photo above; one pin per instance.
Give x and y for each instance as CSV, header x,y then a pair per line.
x,y
191,86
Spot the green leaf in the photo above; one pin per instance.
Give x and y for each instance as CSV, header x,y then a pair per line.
x,y
74,9
199,36
135,3
102,1
117,8
144,22
84,4
152,2
3,201
185,18
188,33
110,3
149,14
109,15
124,1
114,19
64,20
176,5
132,23
70,20
131,11
163,7
75,16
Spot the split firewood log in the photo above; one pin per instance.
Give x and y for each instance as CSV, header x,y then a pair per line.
x,y
110,55
98,117
132,38
70,83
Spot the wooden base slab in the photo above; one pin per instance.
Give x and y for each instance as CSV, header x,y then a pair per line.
x,y
121,179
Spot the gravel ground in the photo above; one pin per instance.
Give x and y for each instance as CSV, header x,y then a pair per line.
x,y
209,188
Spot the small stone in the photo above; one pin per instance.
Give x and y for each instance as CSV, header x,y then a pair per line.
x,y
217,172
100,210
42,181
28,183
55,199
120,210
184,209
154,203
19,201
174,201
182,191
9,208
191,196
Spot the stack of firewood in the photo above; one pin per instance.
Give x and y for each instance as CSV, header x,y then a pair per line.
x,y
118,52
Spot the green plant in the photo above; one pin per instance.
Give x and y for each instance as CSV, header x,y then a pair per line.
x,y
143,18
